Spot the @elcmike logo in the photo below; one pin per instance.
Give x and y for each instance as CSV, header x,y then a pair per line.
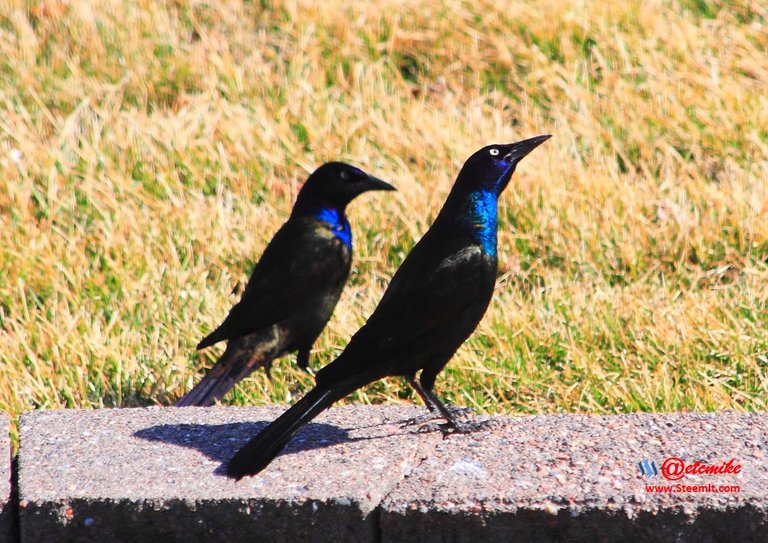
x,y
648,468
674,468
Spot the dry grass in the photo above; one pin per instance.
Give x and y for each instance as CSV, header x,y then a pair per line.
x,y
149,150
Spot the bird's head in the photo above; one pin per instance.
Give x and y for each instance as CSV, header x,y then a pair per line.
x,y
336,184
491,167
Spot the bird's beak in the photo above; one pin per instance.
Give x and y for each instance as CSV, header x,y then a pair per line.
x,y
520,149
374,183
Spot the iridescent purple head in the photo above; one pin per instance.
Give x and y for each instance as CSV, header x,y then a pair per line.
x,y
491,167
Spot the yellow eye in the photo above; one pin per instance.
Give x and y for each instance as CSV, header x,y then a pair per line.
x,y
494,152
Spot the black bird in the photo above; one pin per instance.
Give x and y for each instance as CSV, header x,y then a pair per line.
x,y
293,288
433,303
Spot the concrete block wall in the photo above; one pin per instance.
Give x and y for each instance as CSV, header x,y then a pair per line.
x,y
358,474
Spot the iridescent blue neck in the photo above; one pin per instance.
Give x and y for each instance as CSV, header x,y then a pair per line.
x,y
481,218
337,221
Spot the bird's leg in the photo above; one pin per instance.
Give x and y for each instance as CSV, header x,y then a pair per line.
x,y
302,360
434,405
421,392
433,410
447,414
462,427
268,371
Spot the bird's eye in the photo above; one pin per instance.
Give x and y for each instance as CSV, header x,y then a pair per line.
x,y
344,175
494,152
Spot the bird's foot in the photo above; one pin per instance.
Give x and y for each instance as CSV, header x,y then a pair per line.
x,y
421,420
470,426
460,427
429,427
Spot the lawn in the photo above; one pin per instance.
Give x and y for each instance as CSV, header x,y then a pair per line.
x,y
149,151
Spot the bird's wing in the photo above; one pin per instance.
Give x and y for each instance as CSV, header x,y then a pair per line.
x,y
442,275
431,305
303,261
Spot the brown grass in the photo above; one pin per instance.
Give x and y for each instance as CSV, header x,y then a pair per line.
x,y
148,152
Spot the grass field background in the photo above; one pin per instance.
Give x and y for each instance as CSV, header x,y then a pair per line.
x,y
149,150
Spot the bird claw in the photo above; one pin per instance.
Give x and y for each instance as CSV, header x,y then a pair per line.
x,y
470,426
457,427
421,420
446,428
459,411
428,428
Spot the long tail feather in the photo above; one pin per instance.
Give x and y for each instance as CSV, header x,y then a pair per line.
x,y
211,388
240,359
255,455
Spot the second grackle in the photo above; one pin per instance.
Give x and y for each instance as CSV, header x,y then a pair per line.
x,y
294,287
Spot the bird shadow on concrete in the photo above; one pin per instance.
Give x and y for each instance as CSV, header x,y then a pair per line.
x,y
219,442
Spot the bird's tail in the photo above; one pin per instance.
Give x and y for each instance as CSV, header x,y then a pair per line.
x,y
255,455
239,360
212,387
214,337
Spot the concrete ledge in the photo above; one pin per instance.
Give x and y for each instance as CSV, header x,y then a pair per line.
x,y
356,475
577,478
155,475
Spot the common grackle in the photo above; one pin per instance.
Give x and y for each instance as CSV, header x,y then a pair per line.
x,y
294,287
433,303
